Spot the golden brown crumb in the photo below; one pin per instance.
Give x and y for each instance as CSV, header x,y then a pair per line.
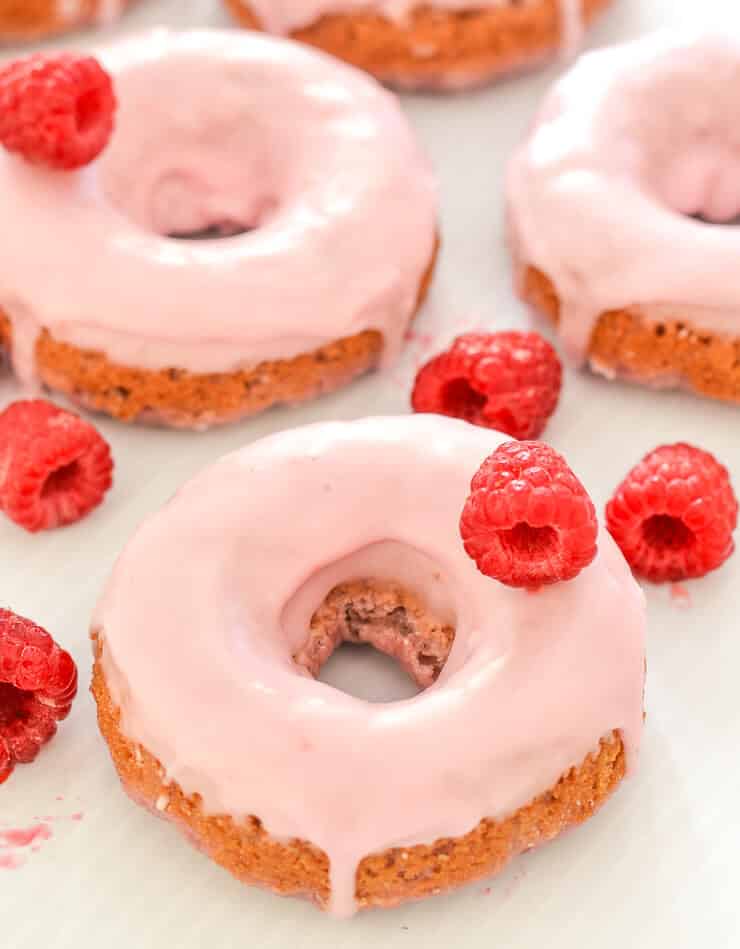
x,y
432,44
192,400
668,352
29,19
246,850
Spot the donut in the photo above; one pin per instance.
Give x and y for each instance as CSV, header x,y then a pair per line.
x,y
30,19
615,202
318,214
530,712
442,44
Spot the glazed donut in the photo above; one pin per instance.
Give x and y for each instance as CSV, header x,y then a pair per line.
x,y
441,44
531,708
29,19
236,132
614,205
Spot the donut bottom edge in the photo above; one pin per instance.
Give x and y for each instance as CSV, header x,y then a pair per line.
x,y
27,20
180,399
434,47
663,354
298,868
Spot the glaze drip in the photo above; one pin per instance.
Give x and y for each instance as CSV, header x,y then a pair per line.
x,y
530,686
632,153
314,159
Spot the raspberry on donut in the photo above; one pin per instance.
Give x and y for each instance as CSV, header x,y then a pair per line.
x,y
267,245
528,520
56,110
529,710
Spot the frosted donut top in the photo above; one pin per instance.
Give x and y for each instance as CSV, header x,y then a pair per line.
x,y
532,683
223,128
629,148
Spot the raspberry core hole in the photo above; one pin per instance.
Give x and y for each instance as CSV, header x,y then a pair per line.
x,y
663,532
534,543
87,111
61,481
461,400
13,705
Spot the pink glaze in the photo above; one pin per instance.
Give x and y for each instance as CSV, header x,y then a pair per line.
x,y
531,685
285,16
10,862
26,836
218,128
627,145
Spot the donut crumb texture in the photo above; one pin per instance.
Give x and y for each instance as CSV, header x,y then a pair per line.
x,y
665,353
182,399
298,868
31,19
383,615
432,45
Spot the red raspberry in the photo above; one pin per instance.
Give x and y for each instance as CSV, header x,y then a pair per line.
x,y
508,381
56,110
38,683
54,467
528,520
674,514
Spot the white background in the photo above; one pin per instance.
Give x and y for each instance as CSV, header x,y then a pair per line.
x,y
656,869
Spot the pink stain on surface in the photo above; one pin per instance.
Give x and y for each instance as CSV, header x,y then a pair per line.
x,y
17,841
10,862
26,836
680,595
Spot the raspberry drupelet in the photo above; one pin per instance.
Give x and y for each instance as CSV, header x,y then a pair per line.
x,y
508,381
56,109
54,466
528,520
38,683
674,514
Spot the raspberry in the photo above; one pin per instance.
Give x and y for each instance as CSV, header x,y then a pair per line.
x,y
56,110
54,467
508,381
674,514
38,683
528,520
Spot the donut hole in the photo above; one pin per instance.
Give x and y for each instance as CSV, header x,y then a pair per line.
x,y
88,109
196,163
684,137
665,533
388,617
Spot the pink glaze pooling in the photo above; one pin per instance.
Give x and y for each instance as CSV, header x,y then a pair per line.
x,y
631,145
223,128
531,685
25,836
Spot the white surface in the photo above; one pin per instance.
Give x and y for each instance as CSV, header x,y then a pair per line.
x,y
655,869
